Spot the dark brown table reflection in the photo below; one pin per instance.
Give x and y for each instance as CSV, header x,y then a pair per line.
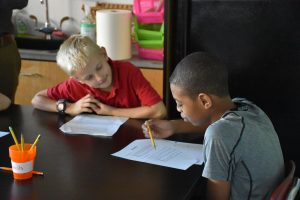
x,y
81,166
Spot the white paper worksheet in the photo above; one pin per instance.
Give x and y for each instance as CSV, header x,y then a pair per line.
x,y
3,133
168,153
93,125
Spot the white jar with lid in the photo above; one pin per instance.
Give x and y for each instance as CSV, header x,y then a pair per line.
x,y
88,25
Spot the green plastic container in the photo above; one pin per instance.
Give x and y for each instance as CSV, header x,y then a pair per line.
x,y
149,35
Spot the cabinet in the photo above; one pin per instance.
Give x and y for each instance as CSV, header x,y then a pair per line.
x,y
155,77
39,75
36,76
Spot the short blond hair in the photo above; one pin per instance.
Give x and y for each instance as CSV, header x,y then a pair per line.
x,y
75,53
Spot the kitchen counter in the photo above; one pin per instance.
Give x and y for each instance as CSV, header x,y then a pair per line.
x,y
44,55
40,55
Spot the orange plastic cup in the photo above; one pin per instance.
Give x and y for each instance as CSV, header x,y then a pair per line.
x,y
22,162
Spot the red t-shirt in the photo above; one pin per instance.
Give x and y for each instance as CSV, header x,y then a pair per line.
x,y
129,88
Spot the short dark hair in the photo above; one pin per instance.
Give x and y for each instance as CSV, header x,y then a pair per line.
x,y
199,72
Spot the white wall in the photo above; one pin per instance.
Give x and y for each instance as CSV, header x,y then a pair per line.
x,y
59,9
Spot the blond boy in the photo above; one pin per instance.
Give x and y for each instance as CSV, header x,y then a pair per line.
x,y
98,85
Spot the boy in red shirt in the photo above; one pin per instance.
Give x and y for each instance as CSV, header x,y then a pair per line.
x,y
98,84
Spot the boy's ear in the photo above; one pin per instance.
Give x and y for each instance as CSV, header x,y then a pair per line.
x,y
205,100
103,51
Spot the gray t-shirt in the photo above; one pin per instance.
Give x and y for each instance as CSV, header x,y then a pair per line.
x,y
243,148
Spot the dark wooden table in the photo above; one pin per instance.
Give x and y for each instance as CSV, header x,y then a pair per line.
x,y
81,167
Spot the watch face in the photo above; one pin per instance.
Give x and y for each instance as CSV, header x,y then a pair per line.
x,y
61,106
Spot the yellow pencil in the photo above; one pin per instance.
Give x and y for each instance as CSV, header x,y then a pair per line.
x,y
10,170
151,137
35,142
14,137
22,142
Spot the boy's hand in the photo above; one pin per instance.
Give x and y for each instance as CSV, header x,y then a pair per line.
x,y
160,128
87,104
103,109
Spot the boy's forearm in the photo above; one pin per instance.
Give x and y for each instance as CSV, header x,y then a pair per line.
x,y
180,126
144,112
44,103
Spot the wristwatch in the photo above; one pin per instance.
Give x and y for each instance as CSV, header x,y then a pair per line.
x,y
61,106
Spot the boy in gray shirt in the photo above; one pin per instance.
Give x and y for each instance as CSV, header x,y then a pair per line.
x,y
242,153
242,148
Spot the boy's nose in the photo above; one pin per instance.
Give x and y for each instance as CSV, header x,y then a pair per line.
x,y
98,77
